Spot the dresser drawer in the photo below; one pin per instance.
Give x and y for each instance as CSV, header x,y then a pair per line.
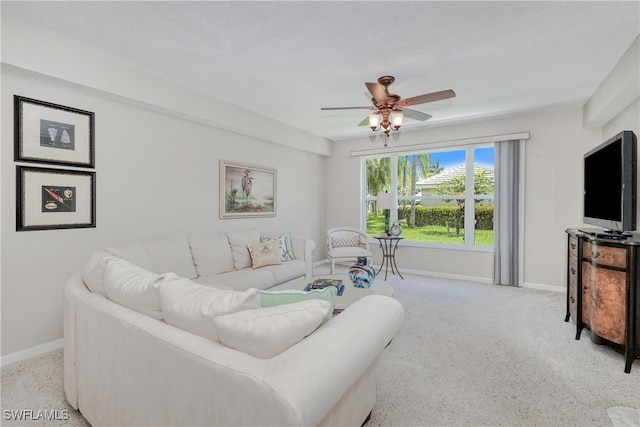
x,y
608,256
573,246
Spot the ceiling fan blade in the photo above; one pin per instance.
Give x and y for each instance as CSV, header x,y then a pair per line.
x,y
368,107
377,91
416,115
365,122
428,97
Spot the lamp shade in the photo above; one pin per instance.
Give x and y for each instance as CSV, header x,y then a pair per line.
x,y
396,119
386,200
374,120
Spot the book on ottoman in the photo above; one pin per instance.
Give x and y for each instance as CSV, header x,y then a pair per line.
x,y
324,283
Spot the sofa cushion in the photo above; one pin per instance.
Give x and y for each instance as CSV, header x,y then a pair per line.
x,y
274,298
211,281
172,255
133,287
248,278
211,253
136,254
288,254
267,332
264,253
93,272
287,270
192,307
239,241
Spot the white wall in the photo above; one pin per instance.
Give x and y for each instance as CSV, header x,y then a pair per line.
x,y
552,195
156,175
628,119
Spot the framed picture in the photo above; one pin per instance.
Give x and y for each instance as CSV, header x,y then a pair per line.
x,y
246,191
54,198
50,133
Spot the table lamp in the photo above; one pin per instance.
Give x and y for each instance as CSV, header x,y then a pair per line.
x,y
386,201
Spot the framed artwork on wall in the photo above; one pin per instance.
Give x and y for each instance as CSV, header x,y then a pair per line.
x,y
50,199
247,191
51,133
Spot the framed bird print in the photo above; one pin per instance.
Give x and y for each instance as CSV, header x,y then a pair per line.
x,y
247,191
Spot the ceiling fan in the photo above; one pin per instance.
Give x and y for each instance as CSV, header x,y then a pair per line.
x,y
389,109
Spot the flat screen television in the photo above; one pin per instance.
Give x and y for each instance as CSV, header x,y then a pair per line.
x,y
610,184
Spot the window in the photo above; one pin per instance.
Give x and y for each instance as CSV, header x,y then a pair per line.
x,y
444,197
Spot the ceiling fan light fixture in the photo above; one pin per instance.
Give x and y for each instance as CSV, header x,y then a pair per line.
x,y
374,120
396,117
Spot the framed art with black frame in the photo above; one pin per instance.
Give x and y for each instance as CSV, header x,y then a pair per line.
x,y
49,199
51,133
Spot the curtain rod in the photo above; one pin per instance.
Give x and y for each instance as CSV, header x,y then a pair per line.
x,y
442,144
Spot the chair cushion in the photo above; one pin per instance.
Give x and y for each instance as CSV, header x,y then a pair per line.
x,y
349,252
267,332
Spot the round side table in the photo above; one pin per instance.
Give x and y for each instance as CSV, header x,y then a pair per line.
x,y
388,245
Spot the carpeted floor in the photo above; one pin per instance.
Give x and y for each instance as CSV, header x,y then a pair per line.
x,y
468,355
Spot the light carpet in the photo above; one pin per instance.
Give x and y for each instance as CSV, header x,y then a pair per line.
x,y
469,354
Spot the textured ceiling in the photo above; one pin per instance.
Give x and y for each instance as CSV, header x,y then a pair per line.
x,y
285,60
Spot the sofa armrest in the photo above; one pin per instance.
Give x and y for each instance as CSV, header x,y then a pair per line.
x,y
303,248
334,357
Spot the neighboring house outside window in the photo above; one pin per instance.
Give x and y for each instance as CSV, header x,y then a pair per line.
x,y
445,198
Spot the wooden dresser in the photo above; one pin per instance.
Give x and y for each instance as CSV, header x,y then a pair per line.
x,y
602,290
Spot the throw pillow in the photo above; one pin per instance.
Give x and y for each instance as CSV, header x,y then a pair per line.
x,y
239,241
264,253
133,287
192,307
287,241
274,298
345,242
93,272
267,332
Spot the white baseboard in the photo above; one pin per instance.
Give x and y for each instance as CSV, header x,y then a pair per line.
x,y
446,276
544,287
19,356
424,273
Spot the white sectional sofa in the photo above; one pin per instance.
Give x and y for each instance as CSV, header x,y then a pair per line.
x,y
220,259
143,348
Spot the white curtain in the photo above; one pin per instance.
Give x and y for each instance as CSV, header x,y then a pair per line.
x,y
507,214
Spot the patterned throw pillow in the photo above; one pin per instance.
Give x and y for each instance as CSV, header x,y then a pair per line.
x,y
264,253
345,242
286,249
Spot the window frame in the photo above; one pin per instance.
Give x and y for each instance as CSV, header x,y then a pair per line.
x,y
469,197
